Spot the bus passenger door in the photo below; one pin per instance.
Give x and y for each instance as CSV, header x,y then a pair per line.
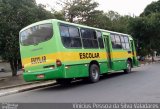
x,y
108,50
135,62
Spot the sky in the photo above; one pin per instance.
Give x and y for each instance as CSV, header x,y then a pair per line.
x,y
123,7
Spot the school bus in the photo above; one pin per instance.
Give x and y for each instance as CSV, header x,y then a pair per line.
x,y
59,50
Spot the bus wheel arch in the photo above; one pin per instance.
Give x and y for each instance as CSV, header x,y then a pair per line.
x,y
94,62
94,71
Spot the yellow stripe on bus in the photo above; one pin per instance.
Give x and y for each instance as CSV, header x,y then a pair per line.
x,y
120,55
66,57
74,56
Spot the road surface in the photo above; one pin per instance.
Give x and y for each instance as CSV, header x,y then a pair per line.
x,y
142,85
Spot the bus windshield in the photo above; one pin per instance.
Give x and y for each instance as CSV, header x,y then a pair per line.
x,y
36,34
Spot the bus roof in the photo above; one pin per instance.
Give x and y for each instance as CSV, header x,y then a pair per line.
x,y
37,23
80,25
74,24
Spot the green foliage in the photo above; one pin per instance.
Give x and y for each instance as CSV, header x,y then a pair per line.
x,y
109,21
152,30
154,7
16,14
85,12
118,23
97,19
147,32
59,15
78,10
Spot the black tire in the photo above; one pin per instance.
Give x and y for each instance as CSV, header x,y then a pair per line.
x,y
129,67
63,81
94,73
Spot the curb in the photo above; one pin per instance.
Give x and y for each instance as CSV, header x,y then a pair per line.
x,y
8,93
25,88
41,86
14,86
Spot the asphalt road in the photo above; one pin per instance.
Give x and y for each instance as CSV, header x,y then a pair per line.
x,y
142,85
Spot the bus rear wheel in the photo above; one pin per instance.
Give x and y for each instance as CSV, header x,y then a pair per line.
x,y
129,67
94,73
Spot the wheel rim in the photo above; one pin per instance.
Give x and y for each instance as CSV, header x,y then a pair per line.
x,y
94,73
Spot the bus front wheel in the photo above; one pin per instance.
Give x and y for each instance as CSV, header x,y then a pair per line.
x,y
94,73
129,67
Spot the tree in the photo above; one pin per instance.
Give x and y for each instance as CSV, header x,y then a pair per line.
x,y
58,15
77,10
118,23
146,30
98,19
154,7
14,15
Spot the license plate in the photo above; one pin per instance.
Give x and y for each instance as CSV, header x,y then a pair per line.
x,y
41,76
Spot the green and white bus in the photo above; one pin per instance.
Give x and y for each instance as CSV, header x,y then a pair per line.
x,y
55,49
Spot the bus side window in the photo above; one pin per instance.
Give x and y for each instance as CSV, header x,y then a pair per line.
x,y
113,41
116,42
89,38
100,40
126,41
123,42
75,37
64,31
70,36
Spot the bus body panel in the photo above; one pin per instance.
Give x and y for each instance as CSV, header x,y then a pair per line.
x,y
75,62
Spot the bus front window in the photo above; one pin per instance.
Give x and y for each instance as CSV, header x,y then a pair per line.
x,y
36,34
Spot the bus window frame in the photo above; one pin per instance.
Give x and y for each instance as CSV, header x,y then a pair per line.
x,y
96,39
113,34
68,25
127,42
101,38
41,41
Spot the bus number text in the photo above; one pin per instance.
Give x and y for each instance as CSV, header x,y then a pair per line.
x,y
38,60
